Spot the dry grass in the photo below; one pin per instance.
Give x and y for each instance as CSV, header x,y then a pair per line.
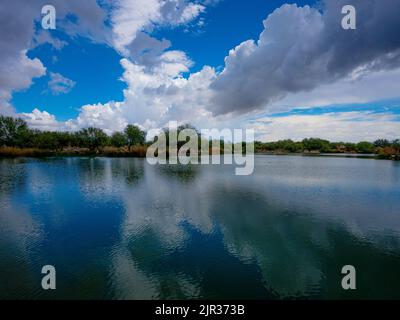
x,y
389,153
137,151
22,152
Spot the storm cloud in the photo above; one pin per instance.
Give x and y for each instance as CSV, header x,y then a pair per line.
x,y
302,48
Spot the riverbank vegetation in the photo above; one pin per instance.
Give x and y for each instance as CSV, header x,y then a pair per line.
x,y
382,148
18,140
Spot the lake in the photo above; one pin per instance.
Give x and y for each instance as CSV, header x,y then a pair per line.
x,y
118,228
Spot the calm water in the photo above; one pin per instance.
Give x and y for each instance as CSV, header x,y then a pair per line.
x,y
122,229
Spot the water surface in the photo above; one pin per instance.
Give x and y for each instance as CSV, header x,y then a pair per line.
x,y
122,229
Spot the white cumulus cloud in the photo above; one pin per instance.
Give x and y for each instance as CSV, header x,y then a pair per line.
x,y
302,48
59,84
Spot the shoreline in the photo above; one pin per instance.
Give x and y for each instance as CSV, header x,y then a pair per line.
x,y
332,155
140,152
135,152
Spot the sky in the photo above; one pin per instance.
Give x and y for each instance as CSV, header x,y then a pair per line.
x,y
284,68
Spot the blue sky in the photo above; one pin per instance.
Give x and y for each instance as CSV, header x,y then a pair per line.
x,y
376,107
83,62
227,24
96,69
207,62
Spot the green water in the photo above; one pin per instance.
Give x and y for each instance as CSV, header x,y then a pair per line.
x,y
122,229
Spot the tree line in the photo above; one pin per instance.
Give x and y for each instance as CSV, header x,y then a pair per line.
x,y
14,132
381,146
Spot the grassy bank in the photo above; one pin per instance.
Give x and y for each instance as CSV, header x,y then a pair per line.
x,y
14,152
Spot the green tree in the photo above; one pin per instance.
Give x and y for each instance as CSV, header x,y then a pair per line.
x,y
118,139
396,145
65,139
365,147
350,147
314,144
92,138
13,132
382,143
134,136
45,140
291,146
